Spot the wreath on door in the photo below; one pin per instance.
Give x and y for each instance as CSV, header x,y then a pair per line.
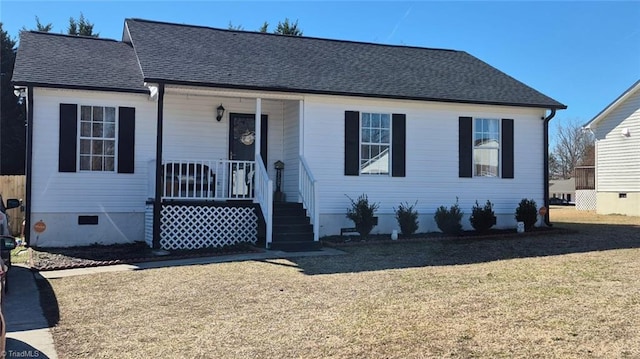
x,y
248,138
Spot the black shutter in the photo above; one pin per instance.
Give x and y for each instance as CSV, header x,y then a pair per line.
x,y
263,139
351,143
126,139
398,145
68,137
507,148
465,147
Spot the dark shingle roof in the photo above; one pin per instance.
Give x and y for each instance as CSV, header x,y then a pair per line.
x,y
203,56
239,59
53,60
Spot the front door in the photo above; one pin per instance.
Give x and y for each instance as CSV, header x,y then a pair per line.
x,y
242,130
242,138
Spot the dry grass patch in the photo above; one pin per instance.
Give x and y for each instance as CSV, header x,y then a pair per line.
x,y
522,297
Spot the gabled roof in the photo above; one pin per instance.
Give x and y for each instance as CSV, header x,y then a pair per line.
x,y
203,56
63,61
612,106
206,56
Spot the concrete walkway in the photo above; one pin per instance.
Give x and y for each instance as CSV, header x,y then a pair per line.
x,y
267,254
28,334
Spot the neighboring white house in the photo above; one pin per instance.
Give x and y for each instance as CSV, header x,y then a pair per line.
x,y
564,189
171,135
617,132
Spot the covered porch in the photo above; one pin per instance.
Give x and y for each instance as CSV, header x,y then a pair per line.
x,y
214,180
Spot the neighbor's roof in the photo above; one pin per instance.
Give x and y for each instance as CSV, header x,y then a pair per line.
x,y
203,56
562,185
64,61
612,106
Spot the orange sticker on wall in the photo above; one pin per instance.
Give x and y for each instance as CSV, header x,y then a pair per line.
x,y
39,227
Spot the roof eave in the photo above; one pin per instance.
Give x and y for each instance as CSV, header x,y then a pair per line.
x,y
79,87
557,106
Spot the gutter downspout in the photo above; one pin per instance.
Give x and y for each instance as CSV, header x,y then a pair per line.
x,y
28,167
546,165
157,203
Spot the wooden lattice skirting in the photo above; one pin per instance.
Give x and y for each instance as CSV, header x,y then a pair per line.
x,y
586,200
201,225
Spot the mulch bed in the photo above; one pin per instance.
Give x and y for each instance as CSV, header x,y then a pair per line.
x,y
47,259
465,236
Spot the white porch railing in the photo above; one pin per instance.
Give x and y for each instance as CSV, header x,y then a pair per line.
x,y
308,191
208,180
264,197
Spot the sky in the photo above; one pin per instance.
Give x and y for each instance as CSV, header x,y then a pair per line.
x,y
583,54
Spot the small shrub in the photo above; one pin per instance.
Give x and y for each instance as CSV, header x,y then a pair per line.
x,y
527,212
362,214
407,218
448,220
482,218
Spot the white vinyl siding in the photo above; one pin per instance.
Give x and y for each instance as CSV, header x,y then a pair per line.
x,y
191,131
88,191
431,158
618,156
291,150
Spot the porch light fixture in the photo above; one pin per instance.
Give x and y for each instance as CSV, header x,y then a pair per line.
x,y
20,93
219,113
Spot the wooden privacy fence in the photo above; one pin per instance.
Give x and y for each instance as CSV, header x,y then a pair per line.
x,y
13,187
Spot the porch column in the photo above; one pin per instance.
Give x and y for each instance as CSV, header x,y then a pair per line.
x,y
258,129
301,128
300,146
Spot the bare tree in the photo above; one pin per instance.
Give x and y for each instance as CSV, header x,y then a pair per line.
x,y
555,171
574,147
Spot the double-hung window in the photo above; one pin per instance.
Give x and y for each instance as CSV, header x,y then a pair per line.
x,y
375,143
486,147
97,138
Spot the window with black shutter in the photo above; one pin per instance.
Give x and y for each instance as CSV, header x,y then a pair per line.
x,y
105,141
375,144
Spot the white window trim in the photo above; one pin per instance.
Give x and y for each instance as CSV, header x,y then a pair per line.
x,y
79,137
499,147
360,144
